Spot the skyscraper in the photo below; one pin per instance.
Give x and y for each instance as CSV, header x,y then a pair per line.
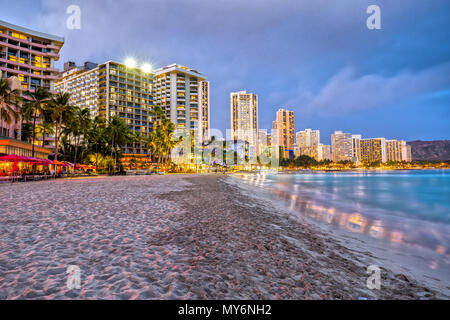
x,y
112,88
307,138
244,118
394,150
323,152
373,149
406,152
29,56
398,150
341,145
356,148
183,94
285,130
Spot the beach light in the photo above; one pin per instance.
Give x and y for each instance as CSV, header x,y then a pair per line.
x,y
146,67
130,63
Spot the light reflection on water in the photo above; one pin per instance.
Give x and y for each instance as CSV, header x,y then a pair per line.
x,y
397,208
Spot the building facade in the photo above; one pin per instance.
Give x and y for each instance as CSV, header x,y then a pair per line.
x,y
373,150
356,148
394,150
183,95
244,118
406,152
112,88
307,138
28,56
284,127
341,145
398,150
82,83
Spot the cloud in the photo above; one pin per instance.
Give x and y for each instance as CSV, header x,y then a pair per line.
x,y
346,92
289,52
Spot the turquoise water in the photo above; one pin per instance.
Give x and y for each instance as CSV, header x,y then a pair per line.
x,y
396,207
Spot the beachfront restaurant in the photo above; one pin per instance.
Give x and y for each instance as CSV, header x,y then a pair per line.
x,y
16,157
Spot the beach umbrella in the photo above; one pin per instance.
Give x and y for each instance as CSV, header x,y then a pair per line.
x,y
59,163
12,158
15,159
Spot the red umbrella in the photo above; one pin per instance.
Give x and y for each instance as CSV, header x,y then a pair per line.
x,y
12,158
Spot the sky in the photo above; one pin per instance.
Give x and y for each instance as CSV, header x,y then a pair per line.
x,y
315,57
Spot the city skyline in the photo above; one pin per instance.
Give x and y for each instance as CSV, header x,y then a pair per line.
x,y
408,75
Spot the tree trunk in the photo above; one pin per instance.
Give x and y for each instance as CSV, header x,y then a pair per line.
x,y
34,134
76,152
57,133
111,157
43,136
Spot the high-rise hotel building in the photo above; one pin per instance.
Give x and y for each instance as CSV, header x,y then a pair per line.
x,y
244,118
341,145
183,95
373,150
81,83
398,150
29,56
307,138
112,88
308,143
285,130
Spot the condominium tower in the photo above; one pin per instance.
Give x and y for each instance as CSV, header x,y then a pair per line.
x,y
308,143
307,138
112,88
373,150
341,145
183,94
356,148
398,150
244,118
29,56
285,131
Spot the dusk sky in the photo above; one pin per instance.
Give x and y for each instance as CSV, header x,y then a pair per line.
x,y
315,57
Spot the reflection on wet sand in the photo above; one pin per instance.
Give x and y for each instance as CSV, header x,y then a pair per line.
x,y
355,222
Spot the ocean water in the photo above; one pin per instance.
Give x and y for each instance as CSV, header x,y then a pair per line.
x,y
402,211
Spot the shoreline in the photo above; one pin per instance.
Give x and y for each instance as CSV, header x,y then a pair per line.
x,y
366,247
173,237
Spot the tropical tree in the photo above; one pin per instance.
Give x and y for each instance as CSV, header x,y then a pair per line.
x,y
119,134
151,143
61,110
9,102
160,141
79,125
34,107
98,140
45,126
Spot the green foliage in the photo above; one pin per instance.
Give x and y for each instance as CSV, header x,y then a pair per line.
x,y
303,161
9,102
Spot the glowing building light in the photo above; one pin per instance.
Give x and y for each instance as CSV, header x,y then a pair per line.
x,y
130,63
146,67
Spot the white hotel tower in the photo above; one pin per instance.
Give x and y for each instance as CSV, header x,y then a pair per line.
x,y
183,94
244,118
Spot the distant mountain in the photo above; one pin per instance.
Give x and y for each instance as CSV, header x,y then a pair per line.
x,y
438,150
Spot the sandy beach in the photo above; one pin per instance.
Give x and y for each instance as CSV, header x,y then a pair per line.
x,y
172,237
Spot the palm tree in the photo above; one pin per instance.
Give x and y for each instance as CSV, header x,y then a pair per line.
x,y
9,101
45,127
97,139
79,125
119,134
151,144
35,106
61,110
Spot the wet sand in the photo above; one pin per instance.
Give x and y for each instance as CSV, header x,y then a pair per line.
x,y
171,237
